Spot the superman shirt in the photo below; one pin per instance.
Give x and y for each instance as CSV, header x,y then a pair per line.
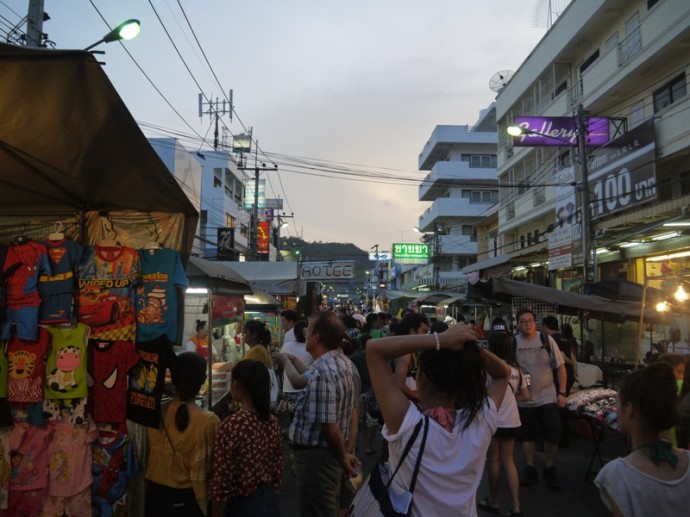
x,y
156,297
109,363
107,276
57,289
147,380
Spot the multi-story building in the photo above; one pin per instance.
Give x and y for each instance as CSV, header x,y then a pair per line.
x,y
462,185
625,60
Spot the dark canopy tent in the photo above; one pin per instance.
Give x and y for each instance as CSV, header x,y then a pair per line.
x,y
71,151
501,289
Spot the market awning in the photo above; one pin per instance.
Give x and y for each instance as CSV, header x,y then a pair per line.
x,y
487,263
262,300
269,277
216,277
433,298
567,302
624,290
460,297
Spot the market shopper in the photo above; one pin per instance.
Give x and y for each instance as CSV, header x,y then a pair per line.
x,y
654,479
452,389
297,348
538,356
179,451
198,342
322,425
412,323
248,453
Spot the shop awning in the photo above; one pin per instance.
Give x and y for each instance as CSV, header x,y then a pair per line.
x,y
567,302
69,144
216,277
487,263
261,300
624,290
269,277
458,298
433,298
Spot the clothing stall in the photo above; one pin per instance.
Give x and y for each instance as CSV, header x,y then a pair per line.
x,y
97,230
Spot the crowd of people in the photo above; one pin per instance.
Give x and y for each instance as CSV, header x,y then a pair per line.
x,y
391,375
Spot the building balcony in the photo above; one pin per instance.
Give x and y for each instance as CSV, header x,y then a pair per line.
x,y
444,210
444,138
450,174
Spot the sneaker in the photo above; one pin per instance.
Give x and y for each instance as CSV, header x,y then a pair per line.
x,y
551,479
529,475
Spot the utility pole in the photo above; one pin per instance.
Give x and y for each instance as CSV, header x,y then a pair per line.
x,y
253,242
215,109
34,24
437,256
586,213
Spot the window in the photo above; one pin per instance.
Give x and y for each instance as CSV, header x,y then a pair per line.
x,y
482,161
483,196
632,44
244,230
560,89
470,231
217,178
591,59
204,216
669,93
229,221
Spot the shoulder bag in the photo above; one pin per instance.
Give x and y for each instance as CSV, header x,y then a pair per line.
x,y
375,498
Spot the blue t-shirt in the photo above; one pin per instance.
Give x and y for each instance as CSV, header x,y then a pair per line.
x,y
156,297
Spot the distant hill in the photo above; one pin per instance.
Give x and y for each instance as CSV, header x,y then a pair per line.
x,y
318,251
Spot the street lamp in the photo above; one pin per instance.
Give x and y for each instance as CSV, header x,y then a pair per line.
x,y
127,30
581,131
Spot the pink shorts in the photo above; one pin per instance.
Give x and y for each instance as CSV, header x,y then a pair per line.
x,y
77,505
25,503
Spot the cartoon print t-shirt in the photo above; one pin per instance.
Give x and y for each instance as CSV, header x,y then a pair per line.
x,y
57,289
29,456
109,363
147,379
107,276
66,366
156,297
26,367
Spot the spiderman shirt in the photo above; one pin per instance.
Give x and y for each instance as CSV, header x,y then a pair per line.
x,y
109,363
147,380
104,299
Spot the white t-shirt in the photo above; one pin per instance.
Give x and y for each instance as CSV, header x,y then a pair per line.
x,y
451,466
508,414
298,350
536,360
289,336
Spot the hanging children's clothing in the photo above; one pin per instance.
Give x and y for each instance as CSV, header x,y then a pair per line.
x,y
57,289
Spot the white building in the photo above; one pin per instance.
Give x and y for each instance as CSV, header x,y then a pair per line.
x,y
462,186
623,59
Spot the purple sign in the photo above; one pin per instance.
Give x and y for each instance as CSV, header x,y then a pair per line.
x,y
553,131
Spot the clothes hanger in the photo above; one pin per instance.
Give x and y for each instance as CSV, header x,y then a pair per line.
x,y
57,234
153,244
21,238
109,243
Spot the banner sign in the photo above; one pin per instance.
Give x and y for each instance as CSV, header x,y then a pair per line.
x,y
561,237
384,256
226,244
249,194
410,253
622,174
331,270
555,131
226,309
263,232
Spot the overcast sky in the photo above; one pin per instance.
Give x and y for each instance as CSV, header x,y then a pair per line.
x,y
360,83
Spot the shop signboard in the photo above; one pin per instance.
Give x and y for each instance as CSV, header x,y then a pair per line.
x,y
561,237
329,270
559,131
381,256
622,174
410,253
226,244
226,309
263,233
249,194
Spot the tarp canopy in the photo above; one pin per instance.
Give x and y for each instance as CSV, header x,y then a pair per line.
x,y
433,297
216,277
624,290
276,278
263,301
567,302
70,149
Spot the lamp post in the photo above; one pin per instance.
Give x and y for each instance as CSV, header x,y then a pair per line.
x,y
581,131
127,30
436,257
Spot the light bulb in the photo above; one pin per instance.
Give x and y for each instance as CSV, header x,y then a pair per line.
x,y
662,307
681,295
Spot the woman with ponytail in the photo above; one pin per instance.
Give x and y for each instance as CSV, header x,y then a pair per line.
x,y
654,479
248,461
179,451
461,412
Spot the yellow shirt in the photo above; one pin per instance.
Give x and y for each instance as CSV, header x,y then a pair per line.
x,y
183,460
260,353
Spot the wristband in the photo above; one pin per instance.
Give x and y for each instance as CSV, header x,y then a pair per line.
x,y
562,394
438,341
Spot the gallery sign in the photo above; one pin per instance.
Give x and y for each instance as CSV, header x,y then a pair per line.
x,y
555,131
330,270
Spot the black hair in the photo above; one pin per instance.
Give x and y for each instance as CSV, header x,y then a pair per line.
x,y
188,373
200,324
394,327
254,326
411,321
329,328
300,330
567,331
686,380
653,394
551,322
371,318
501,345
289,315
438,327
253,378
525,310
460,374
674,360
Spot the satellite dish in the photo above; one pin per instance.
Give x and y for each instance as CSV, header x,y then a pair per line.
x,y
547,11
500,79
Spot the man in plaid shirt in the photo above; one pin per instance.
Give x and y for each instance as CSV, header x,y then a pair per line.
x,y
322,423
